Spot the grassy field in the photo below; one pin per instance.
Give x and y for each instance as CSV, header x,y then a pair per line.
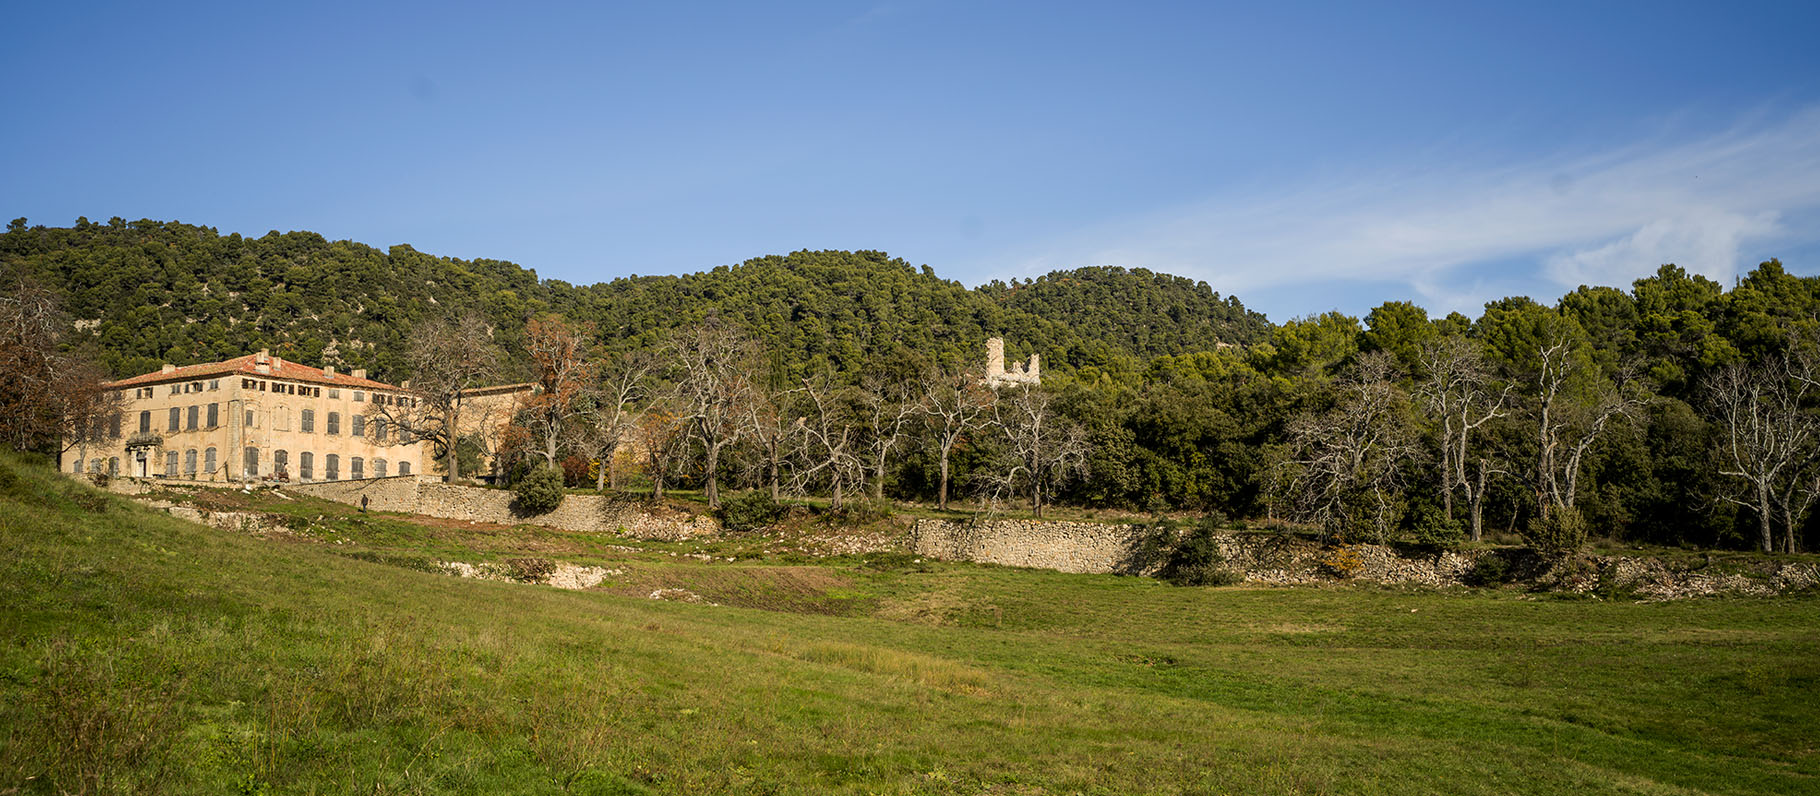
x,y
139,653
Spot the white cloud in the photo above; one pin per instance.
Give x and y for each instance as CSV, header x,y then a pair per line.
x,y
1604,218
1703,241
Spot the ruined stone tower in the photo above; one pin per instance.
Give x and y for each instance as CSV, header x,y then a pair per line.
x,y
998,375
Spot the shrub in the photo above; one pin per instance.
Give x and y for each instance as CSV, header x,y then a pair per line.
x,y
1489,570
575,471
750,511
528,570
539,492
1434,529
1558,534
1342,563
1195,559
866,510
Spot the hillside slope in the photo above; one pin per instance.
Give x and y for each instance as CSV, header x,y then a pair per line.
x,y
146,654
149,292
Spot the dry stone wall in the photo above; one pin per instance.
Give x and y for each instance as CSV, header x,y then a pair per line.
x,y
587,513
1095,548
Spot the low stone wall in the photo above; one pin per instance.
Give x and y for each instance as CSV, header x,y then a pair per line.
x,y
587,513
1094,548
1097,548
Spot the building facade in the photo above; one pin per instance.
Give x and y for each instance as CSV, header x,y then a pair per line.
x,y
252,418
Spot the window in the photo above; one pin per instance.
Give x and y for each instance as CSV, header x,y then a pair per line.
x,y
334,393
189,462
249,419
76,466
113,426
262,386
252,463
195,412
356,468
404,468
281,418
246,384
379,429
176,417
306,462
306,421
334,422
145,422
281,463
170,464
214,415
174,389
94,465
378,468
195,386
214,384
359,396
357,425
208,460
331,465
113,465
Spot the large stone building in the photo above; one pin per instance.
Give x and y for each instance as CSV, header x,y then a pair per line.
x,y
255,417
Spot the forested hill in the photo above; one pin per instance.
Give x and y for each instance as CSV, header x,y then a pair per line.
x,y
149,292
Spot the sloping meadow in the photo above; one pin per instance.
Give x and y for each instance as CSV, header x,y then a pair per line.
x,y
146,654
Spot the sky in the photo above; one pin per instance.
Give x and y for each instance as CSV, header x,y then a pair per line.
x,y
1304,157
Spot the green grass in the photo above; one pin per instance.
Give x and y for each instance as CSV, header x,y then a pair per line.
x,y
139,654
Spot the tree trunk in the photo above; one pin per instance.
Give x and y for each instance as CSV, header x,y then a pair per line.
x,y
1477,499
657,479
712,488
941,497
452,468
878,479
771,471
606,463
1768,540
835,503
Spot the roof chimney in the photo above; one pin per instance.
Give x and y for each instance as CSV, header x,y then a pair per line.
x,y
360,373
169,368
328,371
406,384
264,357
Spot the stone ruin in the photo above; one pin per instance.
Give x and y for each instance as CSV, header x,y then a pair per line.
x,y
998,375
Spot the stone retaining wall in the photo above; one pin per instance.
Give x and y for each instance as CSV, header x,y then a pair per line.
x,y
588,513
1094,548
1097,548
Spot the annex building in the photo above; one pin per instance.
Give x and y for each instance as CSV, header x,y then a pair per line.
x,y
252,418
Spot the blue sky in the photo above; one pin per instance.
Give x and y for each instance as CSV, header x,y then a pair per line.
x,y
1302,156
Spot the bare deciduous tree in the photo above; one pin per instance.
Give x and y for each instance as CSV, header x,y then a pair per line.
x,y
1458,394
618,400
663,430
1767,440
565,372
716,362
1346,466
770,423
1043,451
887,407
49,400
448,357
828,434
1574,405
954,404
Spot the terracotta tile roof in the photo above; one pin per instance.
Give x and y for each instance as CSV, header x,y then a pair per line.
x,y
246,366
